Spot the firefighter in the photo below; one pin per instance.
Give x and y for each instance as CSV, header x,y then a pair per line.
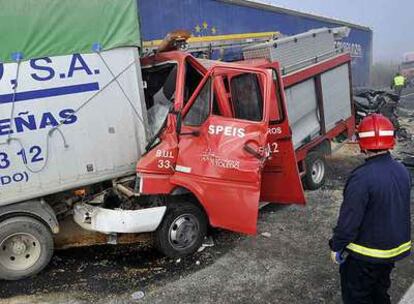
x,y
373,229
398,83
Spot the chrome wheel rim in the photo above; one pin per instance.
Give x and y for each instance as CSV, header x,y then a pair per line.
x,y
318,171
19,251
184,231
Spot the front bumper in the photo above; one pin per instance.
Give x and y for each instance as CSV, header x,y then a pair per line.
x,y
110,221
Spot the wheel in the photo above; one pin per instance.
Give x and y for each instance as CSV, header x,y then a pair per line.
x,y
182,230
26,247
315,170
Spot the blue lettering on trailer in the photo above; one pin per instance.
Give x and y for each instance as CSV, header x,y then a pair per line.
x,y
75,67
17,177
35,65
42,70
32,154
25,121
59,91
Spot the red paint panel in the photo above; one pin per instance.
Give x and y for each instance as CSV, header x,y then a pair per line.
x,y
225,176
281,182
229,205
215,166
153,184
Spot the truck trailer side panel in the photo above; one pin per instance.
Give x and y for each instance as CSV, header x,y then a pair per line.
x,y
68,123
218,17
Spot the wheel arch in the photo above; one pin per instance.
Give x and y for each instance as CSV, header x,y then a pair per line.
x,y
324,147
37,209
194,193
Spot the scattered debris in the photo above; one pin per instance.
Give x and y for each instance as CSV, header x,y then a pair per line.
x,y
102,263
208,242
178,261
138,295
82,267
201,248
266,234
198,263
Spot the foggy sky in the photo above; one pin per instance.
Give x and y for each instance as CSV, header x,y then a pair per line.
x,y
391,20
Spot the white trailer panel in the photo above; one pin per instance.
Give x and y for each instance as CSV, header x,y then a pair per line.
x,y
69,123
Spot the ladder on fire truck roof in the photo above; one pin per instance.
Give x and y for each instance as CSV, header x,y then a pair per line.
x,y
183,40
292,52
302,50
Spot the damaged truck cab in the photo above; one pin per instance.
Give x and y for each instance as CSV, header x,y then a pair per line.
x,y
210,148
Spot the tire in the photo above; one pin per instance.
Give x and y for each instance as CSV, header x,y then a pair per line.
x,y
26,247
315,164
182,230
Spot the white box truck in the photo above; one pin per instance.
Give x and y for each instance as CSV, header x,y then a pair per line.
x,y
71,115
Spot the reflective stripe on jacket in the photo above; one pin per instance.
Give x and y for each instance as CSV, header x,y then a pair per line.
x,y
379,253
374,222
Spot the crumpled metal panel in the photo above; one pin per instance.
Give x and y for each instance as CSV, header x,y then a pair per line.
x,y
118,221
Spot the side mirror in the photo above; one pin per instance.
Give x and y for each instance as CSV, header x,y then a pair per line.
x,y
179,123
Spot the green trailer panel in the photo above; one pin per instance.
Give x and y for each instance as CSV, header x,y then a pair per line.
x,y
38,28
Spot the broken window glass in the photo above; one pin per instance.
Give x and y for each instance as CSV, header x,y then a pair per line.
x,y
159,92
200,109
192,79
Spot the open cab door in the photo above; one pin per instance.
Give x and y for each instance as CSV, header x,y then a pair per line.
x,y
222,135
281,181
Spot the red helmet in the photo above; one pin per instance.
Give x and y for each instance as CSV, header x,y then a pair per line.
x,y
376,132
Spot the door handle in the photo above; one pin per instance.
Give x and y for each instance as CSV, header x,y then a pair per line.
x,y
192,133
249,149
261,157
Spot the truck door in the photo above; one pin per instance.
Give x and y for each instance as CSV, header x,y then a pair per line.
x,y
220,149
281,181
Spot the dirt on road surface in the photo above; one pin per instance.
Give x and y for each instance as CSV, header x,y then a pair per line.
x,y
286,262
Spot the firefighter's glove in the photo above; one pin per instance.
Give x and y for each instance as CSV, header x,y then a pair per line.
x,y
337,257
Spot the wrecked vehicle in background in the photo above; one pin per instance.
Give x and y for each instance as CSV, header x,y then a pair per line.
x,y
168,144
368,101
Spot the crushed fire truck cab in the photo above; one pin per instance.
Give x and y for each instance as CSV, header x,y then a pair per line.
x,y
215,141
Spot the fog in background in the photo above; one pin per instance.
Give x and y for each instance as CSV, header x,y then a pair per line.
x,y
391,21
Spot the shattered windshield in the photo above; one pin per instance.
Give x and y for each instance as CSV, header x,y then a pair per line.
x,y
160,84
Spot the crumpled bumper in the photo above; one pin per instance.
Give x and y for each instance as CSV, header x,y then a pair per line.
x,y
95,218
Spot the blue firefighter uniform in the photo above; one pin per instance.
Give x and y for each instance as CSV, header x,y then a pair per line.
x,y
374,228
374,221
